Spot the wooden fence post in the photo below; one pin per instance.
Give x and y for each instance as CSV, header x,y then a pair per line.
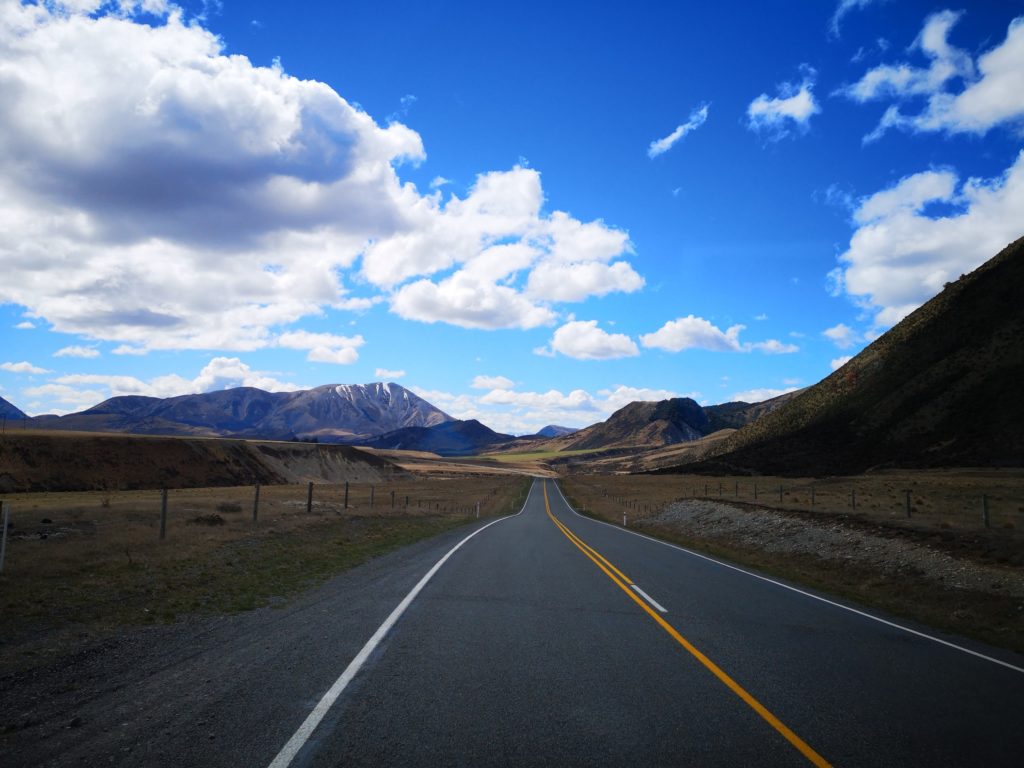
x,y
309,497
163,514
256,503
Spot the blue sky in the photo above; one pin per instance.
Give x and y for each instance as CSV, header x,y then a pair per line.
x,y
528,214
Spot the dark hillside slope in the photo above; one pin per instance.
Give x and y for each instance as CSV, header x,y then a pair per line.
x,y
451,438
942,388
8,411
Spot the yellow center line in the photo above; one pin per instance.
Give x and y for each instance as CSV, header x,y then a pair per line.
x,y
623,583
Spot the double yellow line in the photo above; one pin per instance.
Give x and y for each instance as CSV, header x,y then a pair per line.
x,y
625,584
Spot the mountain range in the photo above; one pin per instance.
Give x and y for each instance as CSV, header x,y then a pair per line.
x,y
329,413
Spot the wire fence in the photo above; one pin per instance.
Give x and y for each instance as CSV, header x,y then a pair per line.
x,y
101,519
954,502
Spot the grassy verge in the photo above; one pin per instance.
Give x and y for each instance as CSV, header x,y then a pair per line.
x,y
68,590
994,618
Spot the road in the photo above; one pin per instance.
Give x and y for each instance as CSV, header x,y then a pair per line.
x,y
548,638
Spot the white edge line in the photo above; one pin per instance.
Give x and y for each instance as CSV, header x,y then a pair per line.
x,y
301,736
648,598
811,595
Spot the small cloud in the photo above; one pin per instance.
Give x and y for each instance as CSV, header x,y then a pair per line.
x,y
676,191
839,362
761,317
126,349
843,8
256,23
492,382
693,332
772,347
439,181
86,352
758,395
323,347
697,118
842,335
791,382
792,108
384,373
25,325
22,367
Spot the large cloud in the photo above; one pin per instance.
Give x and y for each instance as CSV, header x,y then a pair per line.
x,y
900,255
962,96
159,192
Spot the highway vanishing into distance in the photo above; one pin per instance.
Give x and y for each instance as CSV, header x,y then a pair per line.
x,y
541,639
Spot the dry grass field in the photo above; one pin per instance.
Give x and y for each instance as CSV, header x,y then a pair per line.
x,y
940,565
81,564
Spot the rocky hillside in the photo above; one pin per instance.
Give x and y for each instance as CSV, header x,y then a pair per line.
x,y
940,389
330,413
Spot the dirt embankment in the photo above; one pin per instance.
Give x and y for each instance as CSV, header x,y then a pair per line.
x,y
56,461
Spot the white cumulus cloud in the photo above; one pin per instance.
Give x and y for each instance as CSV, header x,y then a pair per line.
x,y
387,374
583,340
775,116
77,351
962,95
323,347
693,332
839,362
492,382
900,255
184,198
23,367
761,394
842,335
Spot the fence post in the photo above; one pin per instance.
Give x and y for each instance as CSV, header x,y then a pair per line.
x,y
3,536
906,494
478,509
984,509
812,495
623,519
737,489
163,514
371,497
392,499
256,503
407,502
346,494
309,497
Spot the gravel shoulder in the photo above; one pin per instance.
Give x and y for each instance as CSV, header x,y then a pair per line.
x,y
920,576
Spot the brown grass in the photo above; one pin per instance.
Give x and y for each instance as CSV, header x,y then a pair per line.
x,y
945,516
86,563
939,499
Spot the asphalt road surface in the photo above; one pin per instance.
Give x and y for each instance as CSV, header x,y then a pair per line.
x,y
544,639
